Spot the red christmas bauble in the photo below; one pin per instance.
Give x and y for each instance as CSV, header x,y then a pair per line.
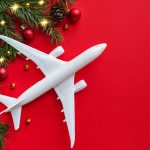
x,y
75,14
3,73
28,33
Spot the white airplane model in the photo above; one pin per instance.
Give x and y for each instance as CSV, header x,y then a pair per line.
x,y
58,75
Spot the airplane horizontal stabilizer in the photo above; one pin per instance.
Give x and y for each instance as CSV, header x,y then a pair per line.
x,y
12,106
7,101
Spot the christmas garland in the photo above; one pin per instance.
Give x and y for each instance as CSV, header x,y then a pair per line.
x,y
35,13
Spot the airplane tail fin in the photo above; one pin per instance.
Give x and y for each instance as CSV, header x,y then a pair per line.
x,y
16,113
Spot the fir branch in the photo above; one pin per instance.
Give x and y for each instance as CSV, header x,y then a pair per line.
x,y
3,133
9,28
55,35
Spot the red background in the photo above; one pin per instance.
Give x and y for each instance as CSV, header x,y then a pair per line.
x,y
112,113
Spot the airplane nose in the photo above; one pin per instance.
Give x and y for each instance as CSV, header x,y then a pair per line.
x,y
104,45
101,47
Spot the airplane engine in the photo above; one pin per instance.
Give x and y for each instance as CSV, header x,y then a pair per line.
x,y
79,86
57,51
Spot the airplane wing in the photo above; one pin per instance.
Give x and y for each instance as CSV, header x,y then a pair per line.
x,y
41,59
65,91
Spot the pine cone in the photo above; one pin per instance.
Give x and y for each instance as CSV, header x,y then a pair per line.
x,y
58,12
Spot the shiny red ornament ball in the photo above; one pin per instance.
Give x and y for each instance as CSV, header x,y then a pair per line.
x,y
75,14
3,73
28,34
